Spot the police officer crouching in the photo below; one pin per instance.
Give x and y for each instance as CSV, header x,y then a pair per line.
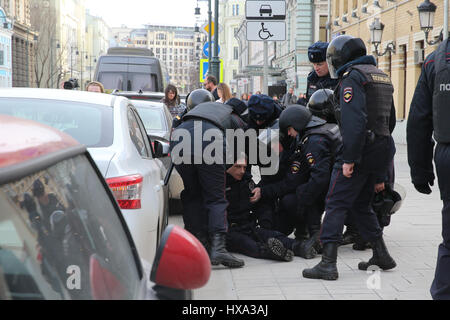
x,y
364,117
203,197
319,78
429,116
318,142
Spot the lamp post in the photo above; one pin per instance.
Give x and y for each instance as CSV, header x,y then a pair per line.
x,y
427,12
376,33
215,61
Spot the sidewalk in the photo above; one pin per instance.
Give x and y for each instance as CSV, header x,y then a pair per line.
x,y
412,238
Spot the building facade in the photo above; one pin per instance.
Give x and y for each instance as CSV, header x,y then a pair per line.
x,y
23,42
97,40
5,51
402,31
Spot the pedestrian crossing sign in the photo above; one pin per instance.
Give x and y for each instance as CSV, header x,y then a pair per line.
x,y
204,69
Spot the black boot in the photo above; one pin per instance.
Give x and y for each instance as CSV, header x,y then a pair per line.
x,y
305,248
349,236
203,238
315,234
360,244
275,250
380,258
220,255
326,269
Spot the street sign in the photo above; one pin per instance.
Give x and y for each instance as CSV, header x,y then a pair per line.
x,y
266,30
265,10
206,49
204,68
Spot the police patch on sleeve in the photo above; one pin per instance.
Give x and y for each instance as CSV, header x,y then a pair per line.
x,y
348,94
310,159
295,167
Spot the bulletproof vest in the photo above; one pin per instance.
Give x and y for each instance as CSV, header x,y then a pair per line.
x,y
379,90
216,113
441,95
329,130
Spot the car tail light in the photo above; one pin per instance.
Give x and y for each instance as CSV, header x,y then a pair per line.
x,y
127,190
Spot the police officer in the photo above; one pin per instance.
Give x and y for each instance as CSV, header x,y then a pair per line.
x,y
193,99
319,78
317,143
262,112
364,115
429,115
203,198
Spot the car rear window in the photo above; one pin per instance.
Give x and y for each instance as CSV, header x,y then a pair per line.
x,y
90,124
57,243
152,118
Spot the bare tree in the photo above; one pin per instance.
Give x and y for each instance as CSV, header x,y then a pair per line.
x,y
49,52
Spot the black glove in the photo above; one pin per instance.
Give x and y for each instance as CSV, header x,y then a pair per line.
x,y
424,187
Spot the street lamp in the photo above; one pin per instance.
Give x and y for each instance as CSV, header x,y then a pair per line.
x,y
427,11
376,33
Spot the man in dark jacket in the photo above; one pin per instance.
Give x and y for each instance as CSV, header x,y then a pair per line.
x,y
245,235
365,114
429,115
319,78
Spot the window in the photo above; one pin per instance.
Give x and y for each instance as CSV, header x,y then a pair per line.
x,y
323,28
2,57
51,229
136,135
236,53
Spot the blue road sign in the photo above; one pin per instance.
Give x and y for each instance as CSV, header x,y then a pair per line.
x,y
206,49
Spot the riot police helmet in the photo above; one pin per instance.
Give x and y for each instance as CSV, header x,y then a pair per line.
x,y
198,96
295,116
321,104
342,50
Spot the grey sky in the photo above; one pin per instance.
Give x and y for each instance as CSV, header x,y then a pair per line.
x,y
135,13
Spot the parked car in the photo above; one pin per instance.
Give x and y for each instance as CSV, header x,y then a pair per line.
x,y
146,95
158,123
63,235
113,132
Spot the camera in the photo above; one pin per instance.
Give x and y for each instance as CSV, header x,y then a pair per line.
x,y
71,84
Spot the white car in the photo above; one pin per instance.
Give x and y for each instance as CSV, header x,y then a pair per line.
x,y
116,139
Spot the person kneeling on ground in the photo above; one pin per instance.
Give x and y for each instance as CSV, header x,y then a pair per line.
x,y
244,235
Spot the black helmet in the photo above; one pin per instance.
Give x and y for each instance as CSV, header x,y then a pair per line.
x,y
295,116
321,105
388,202
198,96
342,50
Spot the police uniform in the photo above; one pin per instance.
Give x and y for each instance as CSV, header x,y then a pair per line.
x,y
365,95
429,114
203,197
316,54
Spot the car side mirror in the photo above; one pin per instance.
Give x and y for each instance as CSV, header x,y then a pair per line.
x,y
181,262
161,149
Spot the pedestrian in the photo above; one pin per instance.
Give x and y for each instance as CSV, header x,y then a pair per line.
x,y
319,78
245,235
244,97
210,84
224,92
203,198
365,115
302,99
95,86
289,98
429,117
172,100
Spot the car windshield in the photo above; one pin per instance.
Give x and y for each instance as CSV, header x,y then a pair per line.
x,y
152,118
56,243
128,81
90,124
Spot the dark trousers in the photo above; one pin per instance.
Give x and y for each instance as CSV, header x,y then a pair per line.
x,y
203,198
289,219
250,240
440,289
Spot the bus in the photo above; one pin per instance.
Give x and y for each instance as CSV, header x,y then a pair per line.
x,y
131,69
